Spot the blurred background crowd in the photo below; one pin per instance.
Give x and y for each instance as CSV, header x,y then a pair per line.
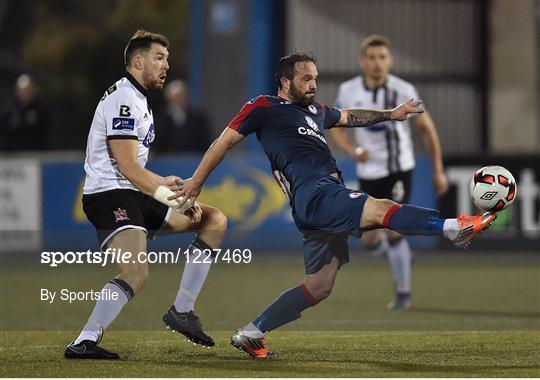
x,y
474,62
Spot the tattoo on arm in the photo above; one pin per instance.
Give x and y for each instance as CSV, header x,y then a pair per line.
x,y
363,118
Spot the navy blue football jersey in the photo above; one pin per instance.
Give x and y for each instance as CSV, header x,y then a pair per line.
x,y
292,137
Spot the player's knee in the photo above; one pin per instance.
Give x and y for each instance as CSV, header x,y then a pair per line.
x,y
217,221
220,220
371,239
374,212
395,240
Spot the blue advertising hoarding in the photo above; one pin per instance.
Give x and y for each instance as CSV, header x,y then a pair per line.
x,y
242,187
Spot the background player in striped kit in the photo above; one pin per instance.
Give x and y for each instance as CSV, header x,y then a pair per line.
x,y
385,152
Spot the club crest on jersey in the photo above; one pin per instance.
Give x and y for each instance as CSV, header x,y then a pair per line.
x,y
123,124
150,136
312,109
120,215
354,194
312,124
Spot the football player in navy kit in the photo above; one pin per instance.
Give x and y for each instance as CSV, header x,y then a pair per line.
x,y
290,129
384,153
127,203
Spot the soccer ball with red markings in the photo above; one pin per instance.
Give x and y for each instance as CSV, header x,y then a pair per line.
x,y
493,188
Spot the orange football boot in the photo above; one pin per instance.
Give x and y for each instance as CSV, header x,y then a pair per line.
x,y
470,226
253,346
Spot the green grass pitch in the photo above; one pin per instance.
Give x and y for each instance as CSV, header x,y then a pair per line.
x,y
474,315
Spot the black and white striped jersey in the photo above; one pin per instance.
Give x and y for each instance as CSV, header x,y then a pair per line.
x,y
389,144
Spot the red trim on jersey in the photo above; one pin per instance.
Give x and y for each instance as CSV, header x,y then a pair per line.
x,y
309,297
323,106
389,214
261,101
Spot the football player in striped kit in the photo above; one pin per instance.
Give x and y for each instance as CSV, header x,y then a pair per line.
x,y
127,203
384,152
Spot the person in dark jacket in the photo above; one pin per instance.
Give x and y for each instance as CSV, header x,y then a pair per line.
x,y
25,119
181,127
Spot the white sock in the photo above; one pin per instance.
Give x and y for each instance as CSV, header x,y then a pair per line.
x,y
400,257
450,228
251,331
105,311
193,277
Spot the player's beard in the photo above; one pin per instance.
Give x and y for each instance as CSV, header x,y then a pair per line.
x,y
152,83
300,98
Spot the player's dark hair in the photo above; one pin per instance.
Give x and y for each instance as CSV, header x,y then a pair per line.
x,y
285,66
374,40
142,40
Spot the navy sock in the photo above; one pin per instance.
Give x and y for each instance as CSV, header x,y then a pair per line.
x,y
412,220
287,307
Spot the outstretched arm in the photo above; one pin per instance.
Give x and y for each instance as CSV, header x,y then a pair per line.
x,y
191,187
364,118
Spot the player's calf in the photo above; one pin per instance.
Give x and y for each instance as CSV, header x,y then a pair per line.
x,y
287,307
319,285
135,274
135,271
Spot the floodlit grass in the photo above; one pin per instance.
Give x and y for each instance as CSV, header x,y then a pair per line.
x,y
473,316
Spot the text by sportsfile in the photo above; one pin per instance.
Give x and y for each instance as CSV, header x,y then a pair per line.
x,y
118,256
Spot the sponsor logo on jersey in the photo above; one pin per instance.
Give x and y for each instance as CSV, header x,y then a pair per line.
x,y
120,215
123,124
313,130
310,132
312,109
312,124
124,111
150,136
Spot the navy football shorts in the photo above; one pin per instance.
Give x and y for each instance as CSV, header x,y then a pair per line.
x,y
332,213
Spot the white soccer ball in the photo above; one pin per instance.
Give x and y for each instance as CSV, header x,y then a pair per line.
x,y
493,188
